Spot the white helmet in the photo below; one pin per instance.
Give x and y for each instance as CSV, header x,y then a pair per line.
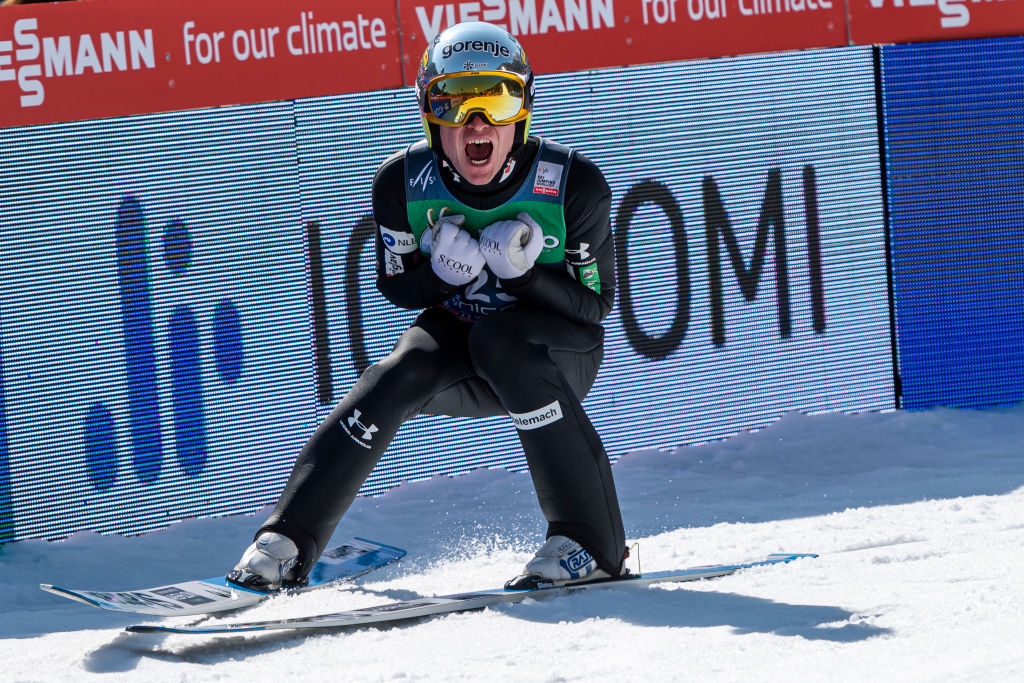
x,y
474,68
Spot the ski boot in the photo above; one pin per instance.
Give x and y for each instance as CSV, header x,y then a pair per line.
x,y
559,562
268,564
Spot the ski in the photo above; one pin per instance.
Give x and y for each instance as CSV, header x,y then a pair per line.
x,y
204,596
460,602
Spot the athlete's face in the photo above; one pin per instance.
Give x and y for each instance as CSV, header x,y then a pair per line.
x,y
477,148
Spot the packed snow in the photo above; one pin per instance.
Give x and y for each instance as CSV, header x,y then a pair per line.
x,y
917,517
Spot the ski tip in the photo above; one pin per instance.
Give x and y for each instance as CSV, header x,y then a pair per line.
x,y
156,628
55,590
787,557
153,628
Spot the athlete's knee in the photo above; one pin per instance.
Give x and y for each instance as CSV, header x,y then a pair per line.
x,y
408,376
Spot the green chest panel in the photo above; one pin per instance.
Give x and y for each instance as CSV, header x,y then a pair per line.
x,y
541,195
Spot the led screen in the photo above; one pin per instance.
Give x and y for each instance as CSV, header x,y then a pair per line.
x,y
185,295
771,163
954,126
155,323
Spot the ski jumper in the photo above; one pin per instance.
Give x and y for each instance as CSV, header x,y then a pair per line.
x,y
529,348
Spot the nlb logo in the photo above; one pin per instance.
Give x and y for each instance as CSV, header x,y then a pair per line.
x,y
183,344
397,241
34,58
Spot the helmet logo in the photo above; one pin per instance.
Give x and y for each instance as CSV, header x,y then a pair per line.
x,y
494,48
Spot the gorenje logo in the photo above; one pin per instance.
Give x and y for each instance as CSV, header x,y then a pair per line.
x,y
69,56
495,49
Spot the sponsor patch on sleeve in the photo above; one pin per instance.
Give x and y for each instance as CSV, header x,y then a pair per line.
x,y
398,242
392,264
590,277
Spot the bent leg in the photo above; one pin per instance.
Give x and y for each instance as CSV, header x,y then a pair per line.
x,y
331,468
541,366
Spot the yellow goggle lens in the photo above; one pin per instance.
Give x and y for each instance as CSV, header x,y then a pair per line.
x,y
498,97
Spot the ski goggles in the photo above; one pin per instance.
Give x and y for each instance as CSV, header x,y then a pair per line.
x,y
499,96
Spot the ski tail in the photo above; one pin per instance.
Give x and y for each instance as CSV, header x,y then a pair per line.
x,y
205,596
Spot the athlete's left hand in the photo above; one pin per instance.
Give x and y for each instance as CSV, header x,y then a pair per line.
x,y
512,247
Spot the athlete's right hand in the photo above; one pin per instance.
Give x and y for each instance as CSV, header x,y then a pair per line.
x,y
430,236
454,255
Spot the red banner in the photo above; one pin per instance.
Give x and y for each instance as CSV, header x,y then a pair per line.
x,y
901,21
101,58
568,35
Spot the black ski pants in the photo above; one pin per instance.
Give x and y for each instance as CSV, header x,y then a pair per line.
x,y
527,362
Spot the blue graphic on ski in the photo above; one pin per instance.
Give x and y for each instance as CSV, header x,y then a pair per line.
x,y
204,596
461,602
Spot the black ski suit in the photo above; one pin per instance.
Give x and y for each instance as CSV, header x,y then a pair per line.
x,y
533,358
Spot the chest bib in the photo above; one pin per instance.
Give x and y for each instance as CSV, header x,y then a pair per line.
x,y
541,195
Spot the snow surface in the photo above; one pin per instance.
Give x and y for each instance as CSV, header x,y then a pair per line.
x,y
918,519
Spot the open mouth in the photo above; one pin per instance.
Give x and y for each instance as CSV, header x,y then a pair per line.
x,y
479,151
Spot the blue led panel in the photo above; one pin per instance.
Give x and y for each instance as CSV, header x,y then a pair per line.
x,y
954,121
154,319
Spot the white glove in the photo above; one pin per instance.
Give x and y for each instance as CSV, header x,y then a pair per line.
x,y
430,235
512,247
455,256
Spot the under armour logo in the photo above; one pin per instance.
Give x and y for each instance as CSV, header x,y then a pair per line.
x,y
354,422
451,169
582,252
